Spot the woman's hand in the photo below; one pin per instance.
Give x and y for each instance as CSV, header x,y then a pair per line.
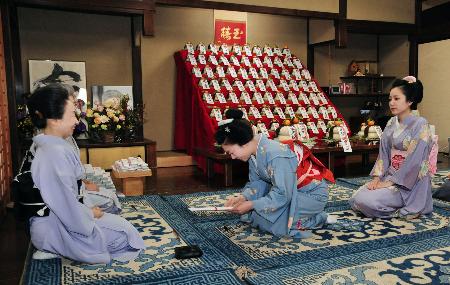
x,y
372,185
98,213
89,186
242,207
384,184
235,200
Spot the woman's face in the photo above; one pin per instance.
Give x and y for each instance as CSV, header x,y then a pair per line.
x,y
66,125
238,152
397,102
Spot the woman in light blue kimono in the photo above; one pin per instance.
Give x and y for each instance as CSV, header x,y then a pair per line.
x,y
65,226
287,191
401,186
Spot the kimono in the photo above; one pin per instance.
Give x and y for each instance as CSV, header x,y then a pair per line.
x,y
287,188
404,160
105,199
70,229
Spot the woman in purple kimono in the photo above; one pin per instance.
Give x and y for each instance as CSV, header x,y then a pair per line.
x,y
65,226
401,186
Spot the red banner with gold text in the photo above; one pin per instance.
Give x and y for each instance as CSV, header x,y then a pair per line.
x,y
230,32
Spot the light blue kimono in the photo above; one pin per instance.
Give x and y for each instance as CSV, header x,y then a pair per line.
x,y
70,230
404,160
278,206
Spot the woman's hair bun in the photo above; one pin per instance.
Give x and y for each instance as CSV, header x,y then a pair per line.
x,y
234,114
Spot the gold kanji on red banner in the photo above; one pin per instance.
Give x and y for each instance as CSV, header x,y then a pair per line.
x,y
230,32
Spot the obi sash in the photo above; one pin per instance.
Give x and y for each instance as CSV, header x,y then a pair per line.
x,y
397,158
309,167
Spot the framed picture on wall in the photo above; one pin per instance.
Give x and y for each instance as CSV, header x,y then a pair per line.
x,y
44,72
111,95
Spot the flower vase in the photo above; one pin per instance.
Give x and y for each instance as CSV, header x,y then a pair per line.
x,y
108,137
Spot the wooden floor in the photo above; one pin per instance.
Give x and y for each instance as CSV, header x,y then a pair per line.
x,y
177,180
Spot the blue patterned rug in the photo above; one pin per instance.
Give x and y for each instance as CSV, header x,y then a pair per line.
x,y
356,250
157,265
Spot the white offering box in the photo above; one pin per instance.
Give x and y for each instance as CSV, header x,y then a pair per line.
x,y
224,60
293,85
293,98
304,98
242,72
237,49
233,98
268,61
203,84
234,61
213,48
208,72
257,51
286,74
277,51
297,63
219,97
275,73
278,61
271,85
287,52
231,71
268,50
258,98
263,73
269,98
201,59
247,50
249,84
279,112
257,62
220,72
302,112
280,97
213,60
201,48
224,48
246,98
245,61
267,112
313,112
208,98
189,47
254,112
244,111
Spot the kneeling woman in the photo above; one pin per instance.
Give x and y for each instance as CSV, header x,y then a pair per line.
x,y
287,192
69,228
402,182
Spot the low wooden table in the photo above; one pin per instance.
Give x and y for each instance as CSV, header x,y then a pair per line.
x,y
222,158
213,156
131,183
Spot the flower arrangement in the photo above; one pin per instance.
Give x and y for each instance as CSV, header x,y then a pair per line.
x,y
113,121
25,126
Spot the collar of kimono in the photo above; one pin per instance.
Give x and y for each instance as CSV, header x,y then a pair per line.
x,y
253,156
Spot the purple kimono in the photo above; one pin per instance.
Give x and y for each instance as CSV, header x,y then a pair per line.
x,y
404,160
70,230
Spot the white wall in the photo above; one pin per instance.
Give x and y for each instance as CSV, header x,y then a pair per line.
x,y
434,72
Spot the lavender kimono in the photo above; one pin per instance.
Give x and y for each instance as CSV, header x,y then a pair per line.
x,y
278,206
70,230
403,160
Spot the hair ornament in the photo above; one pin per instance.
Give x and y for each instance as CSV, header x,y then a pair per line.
x,y
227,129
224,122
410,79
39,114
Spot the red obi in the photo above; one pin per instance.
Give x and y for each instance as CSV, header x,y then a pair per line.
x,y
309,167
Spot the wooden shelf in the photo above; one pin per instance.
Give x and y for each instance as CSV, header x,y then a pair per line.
x,y
368,77
358,95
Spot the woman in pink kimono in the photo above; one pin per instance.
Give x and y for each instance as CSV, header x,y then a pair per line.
x,y
401,186
65,226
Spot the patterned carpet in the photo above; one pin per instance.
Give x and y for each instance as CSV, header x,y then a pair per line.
x,y
155,219
356,250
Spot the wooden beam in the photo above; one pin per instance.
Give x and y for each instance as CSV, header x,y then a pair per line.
x,y
14,81
136,63
106,6
248,8
435,24
340,26
378,27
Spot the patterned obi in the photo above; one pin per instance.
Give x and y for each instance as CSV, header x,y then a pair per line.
x,y
397,158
